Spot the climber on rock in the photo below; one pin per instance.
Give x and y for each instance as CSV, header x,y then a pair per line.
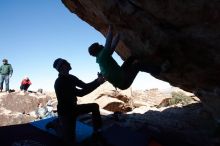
x,y
120,76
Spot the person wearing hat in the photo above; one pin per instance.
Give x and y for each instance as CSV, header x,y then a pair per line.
x,y
5,73
67,88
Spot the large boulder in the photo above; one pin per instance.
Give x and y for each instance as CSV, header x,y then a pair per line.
x,y
18,107
186,33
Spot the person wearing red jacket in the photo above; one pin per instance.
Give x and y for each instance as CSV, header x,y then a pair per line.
x,y
25,84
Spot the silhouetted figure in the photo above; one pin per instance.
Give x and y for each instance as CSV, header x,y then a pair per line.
x,y
67,88
120,76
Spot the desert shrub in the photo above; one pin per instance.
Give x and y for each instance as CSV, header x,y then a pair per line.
x,y
177,97
180,97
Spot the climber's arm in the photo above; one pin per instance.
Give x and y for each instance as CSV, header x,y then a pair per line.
x,y
114,43
108,38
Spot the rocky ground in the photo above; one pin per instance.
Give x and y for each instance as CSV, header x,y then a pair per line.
x,y
172,117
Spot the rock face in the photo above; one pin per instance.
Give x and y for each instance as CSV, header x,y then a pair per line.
x,y
186,33
18,108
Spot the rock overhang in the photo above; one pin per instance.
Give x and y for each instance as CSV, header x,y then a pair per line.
x,y
186,33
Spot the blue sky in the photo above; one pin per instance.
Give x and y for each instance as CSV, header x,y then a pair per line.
x,y
33,33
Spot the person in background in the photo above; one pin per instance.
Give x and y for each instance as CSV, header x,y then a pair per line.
x,y
6,71
67,88
25,83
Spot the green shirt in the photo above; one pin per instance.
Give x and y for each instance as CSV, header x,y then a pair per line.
x,y
6,69
109,68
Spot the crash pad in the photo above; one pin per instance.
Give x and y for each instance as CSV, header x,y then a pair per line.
x,y
35,133
83,131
